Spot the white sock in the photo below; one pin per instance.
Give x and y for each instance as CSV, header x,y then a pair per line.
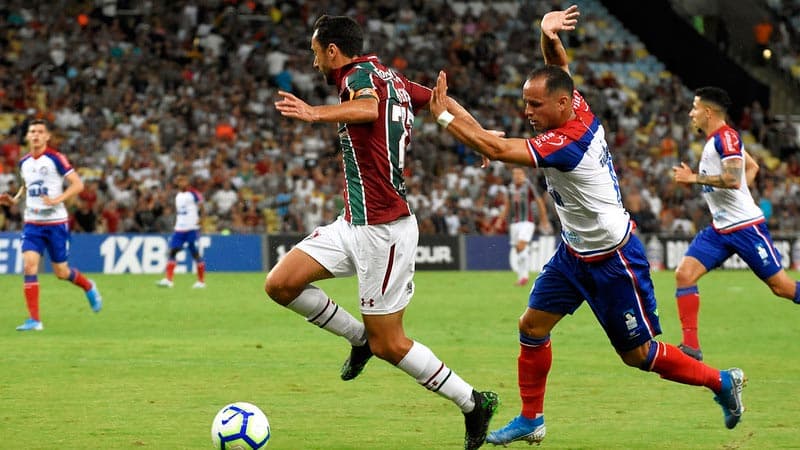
x,y
523,263
513,260
320,310
429,371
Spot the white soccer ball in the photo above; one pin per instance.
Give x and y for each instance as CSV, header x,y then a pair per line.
x,y
240,426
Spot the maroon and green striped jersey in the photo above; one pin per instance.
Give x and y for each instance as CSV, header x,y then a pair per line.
x,y
373,152
522,201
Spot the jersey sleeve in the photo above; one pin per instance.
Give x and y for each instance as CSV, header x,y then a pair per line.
x,y
553,149
360,85
61,162
420,95
728,144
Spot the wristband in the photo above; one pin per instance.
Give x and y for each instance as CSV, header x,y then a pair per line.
x,y
445,118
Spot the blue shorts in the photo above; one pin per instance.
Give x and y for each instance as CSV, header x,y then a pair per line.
x,y
181,238
618,289
52,238
753,244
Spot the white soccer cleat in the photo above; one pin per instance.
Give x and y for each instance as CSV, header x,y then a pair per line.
x,y
198,285
164,283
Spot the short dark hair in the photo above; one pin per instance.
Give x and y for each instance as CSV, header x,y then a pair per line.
x,y
555,78
39,122
716,96
343,31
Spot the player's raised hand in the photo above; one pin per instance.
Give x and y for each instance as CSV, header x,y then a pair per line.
x,y
438,103
556,21
291,106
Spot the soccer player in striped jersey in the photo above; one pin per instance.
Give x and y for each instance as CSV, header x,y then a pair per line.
x,y
738,225
376,237
188,211
599,259
521,203
43,171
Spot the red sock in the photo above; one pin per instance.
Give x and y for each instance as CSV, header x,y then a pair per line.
x,y
171,269
672,364
201,272
77,278
688,310
32,298
533,365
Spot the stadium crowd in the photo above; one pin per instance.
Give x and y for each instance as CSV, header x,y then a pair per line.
x,y
138,90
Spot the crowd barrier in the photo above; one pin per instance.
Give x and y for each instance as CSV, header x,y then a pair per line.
x,y
147,253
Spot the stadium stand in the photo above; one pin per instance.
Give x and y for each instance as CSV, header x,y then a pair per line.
x,y
138,90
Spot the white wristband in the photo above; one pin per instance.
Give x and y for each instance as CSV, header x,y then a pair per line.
x,y
445,118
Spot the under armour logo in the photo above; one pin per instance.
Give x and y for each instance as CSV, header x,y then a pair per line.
x,y
370,303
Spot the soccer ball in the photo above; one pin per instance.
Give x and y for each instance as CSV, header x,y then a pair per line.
x,y
240,426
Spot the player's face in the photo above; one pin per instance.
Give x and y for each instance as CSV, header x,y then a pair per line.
x,y
543,110
518,176
182,181
37,136
321,58
699,114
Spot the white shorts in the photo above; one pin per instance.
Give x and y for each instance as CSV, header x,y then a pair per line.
x,y
520,231
382,256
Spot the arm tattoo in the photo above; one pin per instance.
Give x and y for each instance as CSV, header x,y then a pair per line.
x,y
730,177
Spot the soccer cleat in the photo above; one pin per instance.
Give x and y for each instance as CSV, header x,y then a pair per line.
x,y
730,396
520,428
31,325
522,282
695,353
356,361
94,297
164,283
198,285
477,420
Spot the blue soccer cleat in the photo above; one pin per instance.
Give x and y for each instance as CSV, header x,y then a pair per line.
x,y
94,297
730,396
31,325
520,428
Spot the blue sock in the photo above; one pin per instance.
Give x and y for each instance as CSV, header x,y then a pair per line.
x,y
797,292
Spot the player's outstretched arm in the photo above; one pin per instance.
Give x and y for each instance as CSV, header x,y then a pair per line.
x,y
552,48
359,110
490,144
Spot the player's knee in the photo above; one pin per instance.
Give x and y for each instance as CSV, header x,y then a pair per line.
x,y
280,290
683,276
783,290
392,351
636,357
530,329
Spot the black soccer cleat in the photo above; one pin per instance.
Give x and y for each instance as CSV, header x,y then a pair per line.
x,y
477,420
695,353
356,361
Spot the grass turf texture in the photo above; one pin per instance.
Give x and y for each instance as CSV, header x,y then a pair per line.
x,y
153,368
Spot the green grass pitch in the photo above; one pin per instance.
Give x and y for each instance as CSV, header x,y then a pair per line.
x,y
152,369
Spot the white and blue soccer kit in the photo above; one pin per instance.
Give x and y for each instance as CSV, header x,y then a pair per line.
x,y
738,225
599,258
187,221
46,227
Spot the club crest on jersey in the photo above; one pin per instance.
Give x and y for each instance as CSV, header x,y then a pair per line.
x,y
43,170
